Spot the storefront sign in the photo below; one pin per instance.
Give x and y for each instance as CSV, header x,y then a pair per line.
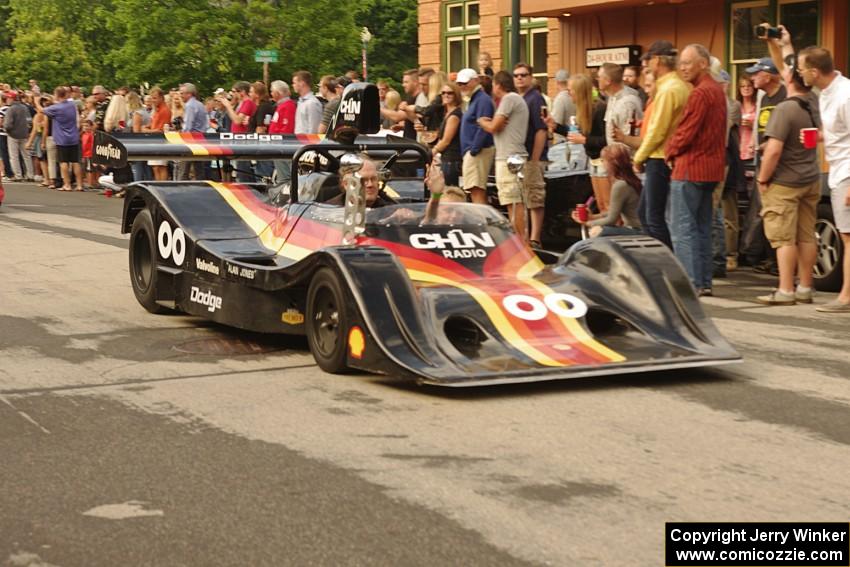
x,y
621,55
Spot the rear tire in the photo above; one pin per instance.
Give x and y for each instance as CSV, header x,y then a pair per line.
x,y
828,267
143,274
327,321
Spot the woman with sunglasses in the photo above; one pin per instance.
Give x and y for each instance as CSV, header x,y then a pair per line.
x,y
448,142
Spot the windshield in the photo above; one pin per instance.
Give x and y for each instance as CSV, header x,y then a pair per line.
x,y
444,214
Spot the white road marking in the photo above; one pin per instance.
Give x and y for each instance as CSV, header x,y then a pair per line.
x,y
123,511
24,414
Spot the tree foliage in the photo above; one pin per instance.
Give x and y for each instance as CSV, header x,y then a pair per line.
x,y
208,42
393,24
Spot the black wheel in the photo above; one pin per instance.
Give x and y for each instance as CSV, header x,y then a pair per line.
x,y
327,321
828,267
143,262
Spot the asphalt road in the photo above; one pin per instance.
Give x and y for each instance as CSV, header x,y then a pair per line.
x,y
132,439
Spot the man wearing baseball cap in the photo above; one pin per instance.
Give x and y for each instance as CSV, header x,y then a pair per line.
x,y
17,130
476,145
771,91
670,98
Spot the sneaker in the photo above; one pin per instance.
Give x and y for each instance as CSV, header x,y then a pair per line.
x,y
705,292
834,306
804,296
731,264
777,297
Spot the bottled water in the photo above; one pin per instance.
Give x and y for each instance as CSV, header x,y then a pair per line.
x,y
577,157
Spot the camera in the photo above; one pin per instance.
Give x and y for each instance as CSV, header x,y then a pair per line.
x,y
767,32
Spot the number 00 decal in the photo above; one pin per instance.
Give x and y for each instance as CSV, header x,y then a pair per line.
x,y
171,245
532,309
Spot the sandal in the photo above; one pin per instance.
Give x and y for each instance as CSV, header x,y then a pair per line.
x,y
64,189
535,244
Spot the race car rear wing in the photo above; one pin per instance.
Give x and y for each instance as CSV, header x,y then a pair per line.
x,y
358,116
115,150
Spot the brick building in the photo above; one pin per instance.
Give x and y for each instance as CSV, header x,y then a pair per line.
x,y
557,34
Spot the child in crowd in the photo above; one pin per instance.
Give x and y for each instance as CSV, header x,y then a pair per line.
x,y
87,146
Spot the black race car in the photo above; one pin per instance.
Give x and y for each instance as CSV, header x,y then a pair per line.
x,y
444,294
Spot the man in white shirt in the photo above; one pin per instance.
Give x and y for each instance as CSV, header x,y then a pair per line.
x,y
816,66
563,106
308,114
509,127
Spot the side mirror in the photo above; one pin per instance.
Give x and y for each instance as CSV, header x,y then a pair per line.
x,y
516,164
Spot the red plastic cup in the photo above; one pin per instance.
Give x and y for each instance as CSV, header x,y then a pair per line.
x,y
581,211
810,138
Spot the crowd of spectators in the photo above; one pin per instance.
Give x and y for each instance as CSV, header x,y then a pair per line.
x,y
668,146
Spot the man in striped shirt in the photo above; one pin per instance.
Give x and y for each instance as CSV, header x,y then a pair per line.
x,y
697,155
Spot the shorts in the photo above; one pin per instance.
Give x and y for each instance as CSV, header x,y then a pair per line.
x,y
476,169
35,150
597,168
840,210
158,162
68,154
87,165
789,213
507,184
534,185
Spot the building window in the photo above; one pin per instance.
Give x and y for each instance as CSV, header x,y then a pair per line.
x,y
533,34
801,17
461,38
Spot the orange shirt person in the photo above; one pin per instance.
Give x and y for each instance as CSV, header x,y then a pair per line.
x,y
160,117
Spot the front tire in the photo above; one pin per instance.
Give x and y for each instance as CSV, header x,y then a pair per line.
x,y
327,321
143,274
828,267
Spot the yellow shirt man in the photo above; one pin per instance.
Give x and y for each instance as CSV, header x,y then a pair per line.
x,y
670,98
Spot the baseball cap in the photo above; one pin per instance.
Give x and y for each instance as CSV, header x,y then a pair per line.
x,y
764,64
10,94
659,47
562,76
466,75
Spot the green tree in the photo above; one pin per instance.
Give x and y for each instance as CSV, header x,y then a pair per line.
x,y
208,42
34,56
394,26
80,19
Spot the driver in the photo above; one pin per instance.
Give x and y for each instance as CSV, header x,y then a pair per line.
x,y
369,178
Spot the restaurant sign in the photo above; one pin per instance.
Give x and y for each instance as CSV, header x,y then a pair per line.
x,y
621,55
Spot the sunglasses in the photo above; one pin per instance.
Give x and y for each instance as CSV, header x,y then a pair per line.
x,y
460,84
520,75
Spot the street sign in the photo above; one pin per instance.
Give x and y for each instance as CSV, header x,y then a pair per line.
x,y
265,55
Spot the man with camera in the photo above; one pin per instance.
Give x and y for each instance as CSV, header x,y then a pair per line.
x,y
817,69
788,182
